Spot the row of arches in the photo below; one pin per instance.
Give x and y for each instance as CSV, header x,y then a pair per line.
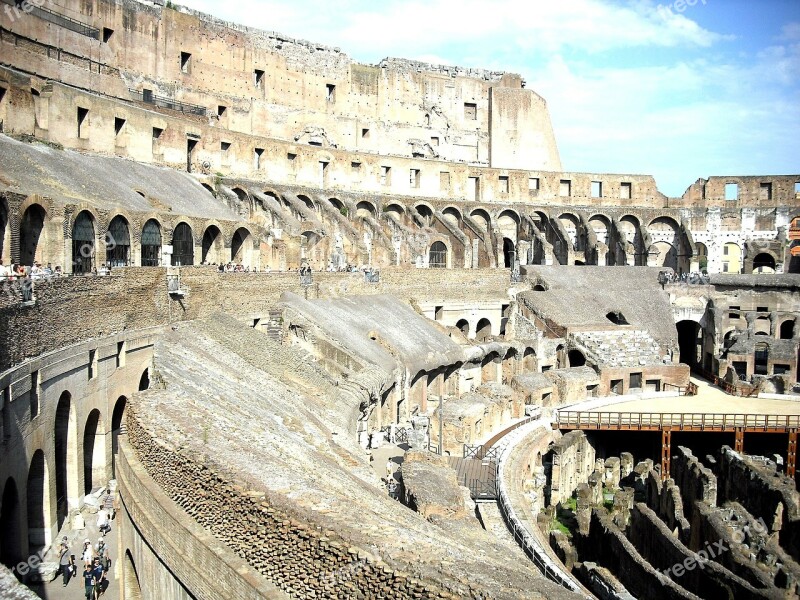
x,y
119,247
28,516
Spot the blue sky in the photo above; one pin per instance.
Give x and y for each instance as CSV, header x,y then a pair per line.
x,y
678,90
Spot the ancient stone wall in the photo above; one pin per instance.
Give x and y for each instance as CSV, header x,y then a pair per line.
x,y
696,482
572,464
665,499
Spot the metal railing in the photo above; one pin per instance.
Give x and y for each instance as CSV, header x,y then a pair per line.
x,y
168,103
55,18
675,421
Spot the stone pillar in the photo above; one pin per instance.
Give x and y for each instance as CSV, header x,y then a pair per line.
x,y
625,464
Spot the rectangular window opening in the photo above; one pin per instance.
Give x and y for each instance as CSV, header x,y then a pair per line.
x,y
118,125
5,421
257,154
470,111
2,93
414,178
533,184
258,78
386,176
434,141
731,191
221,110
503,184
625,190
291,157
224,146
34,394
186,62
636,380
107,33
92,372
330,92
597,189
438,313
797,189
355,166
473,188
157,131
147,96
444,181
565,187
323,169
83,114
191,144
364,133
765,191
120,354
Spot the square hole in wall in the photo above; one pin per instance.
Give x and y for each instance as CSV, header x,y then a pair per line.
x,y
731,191
355,166
414,175
765,191
533,184
257,154
2,93
118,125
291,156
597,189
386,175
221,110
503,184
470,111
107,33
434,141
224,146
797,189
565,187
626,190
364,133
258,78
83,115
330,92
157,131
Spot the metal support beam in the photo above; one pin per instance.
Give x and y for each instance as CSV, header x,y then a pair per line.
x,y
739,446
666,453
791,455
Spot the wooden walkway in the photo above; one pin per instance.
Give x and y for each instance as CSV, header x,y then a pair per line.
x,y
479,476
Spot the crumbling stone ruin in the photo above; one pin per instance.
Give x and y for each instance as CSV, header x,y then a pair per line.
x,y
328,331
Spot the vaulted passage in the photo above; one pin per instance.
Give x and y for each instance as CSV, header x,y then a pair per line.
x,y
93,452
151,244
31,234
182,246
690,342
83,244
9,524
66,457
37,503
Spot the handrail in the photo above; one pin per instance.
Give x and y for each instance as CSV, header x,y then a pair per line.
x,y
168,103
58,19
675,421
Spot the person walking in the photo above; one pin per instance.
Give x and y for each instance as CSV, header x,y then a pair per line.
x,y
87,553
64,561
88,581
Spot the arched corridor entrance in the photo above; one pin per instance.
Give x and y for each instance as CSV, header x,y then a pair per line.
x,y
66,457
463,327
764,263
30,234
83,244
182,246
576,358
437,257
483,331
241,247
212,245
10,551
690,342
37,503
117,420
151,244
509,253
131,590
94,459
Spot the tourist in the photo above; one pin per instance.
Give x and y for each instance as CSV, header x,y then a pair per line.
x,y
99,576
48,270
108,504
87,553
57,272
64,561
88,580
102,522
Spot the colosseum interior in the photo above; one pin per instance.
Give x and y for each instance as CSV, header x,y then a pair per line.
x,y
324,329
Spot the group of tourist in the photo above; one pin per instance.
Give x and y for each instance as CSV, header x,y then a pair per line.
x,y
694,277
17,271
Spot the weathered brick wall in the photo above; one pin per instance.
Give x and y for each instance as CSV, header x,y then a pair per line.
x,y
696,482
298,559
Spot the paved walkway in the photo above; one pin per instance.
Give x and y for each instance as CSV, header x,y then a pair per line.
x,y
709,399
54,590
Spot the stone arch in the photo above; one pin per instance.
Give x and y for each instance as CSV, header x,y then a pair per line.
x,y
309,203
481,218
212,246
508,223
144,380
576,358
793,264
483,330
425,213
84,231
117,421
664,225
452,214
131,588
66,457
509,252
395,209
488,367
664,254
31,234
242,247
118,242
764,262
762,326
529,359
94,456
572,225
182,245
690,342
616,317
339,205
438,255
786,330
151,244
365,208
10,526
463,326
38,503
209,189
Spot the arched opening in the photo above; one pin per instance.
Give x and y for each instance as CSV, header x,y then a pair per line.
x,y
425,214
118,243
760,358
30,235
576,358
66,457
131,590
212,246
539,288
509,253
463,327
116,428
182,246
144,380
794,256
151,244
394,210
731,258
94,459
529,359
762,326
307,201
83,243
786,331
508,223
702,256
437,256
37,503
365,209
631,232
242,247
572,227
617,318
664,255
483,331
452,214
764,263
489,367
690,342
481,218
339,205
10,552
209,189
